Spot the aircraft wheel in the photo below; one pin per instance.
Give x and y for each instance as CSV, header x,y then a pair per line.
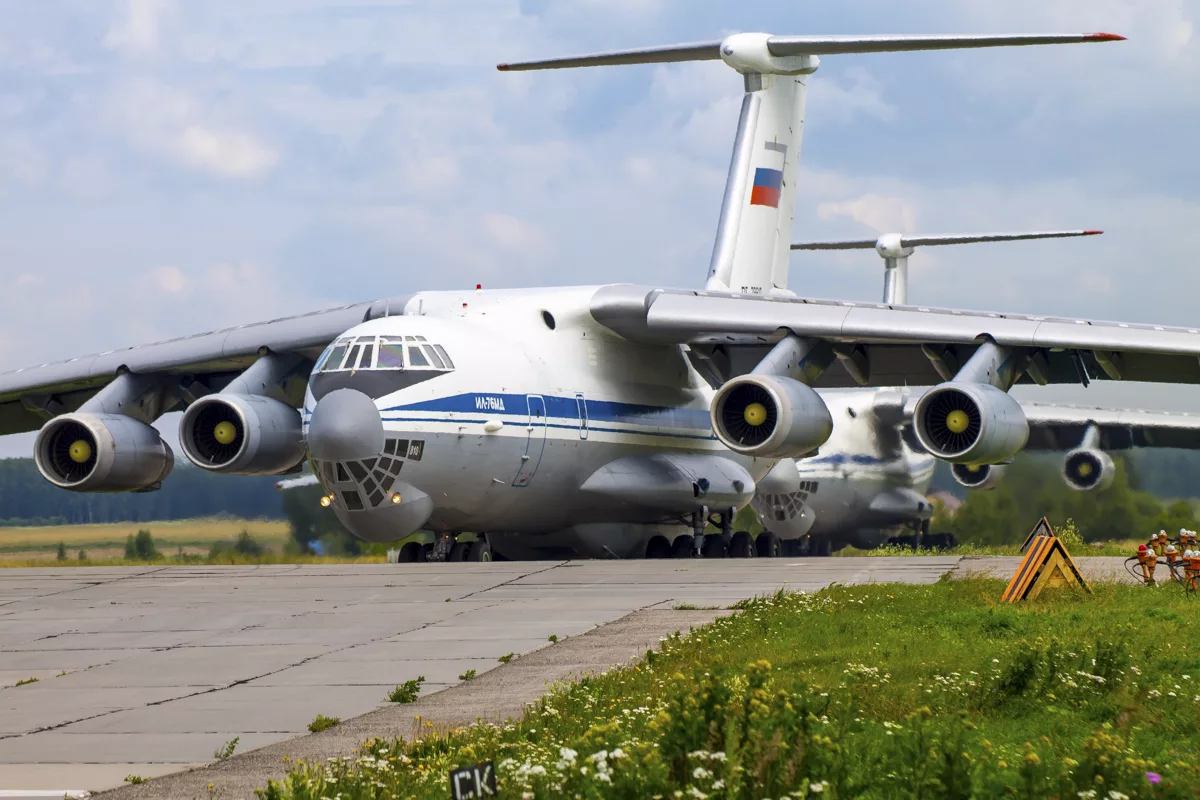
x,y
409,554
479,551
741,545
458,551
658,547
767,545
682,546
714,546
426,551
820,546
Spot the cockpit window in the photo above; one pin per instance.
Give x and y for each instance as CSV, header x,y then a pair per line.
x,y
335,357
387,352
441,351
391,354
434,357
416,358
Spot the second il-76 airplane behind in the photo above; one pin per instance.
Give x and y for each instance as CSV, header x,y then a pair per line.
x,y
588,418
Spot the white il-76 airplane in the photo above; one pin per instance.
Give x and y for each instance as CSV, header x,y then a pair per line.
x,y
594,418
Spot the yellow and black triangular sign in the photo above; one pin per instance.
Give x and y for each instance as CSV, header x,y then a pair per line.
x,y
1047,563
1041,529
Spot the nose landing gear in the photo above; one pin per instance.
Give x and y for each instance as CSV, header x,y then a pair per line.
x,y
448,547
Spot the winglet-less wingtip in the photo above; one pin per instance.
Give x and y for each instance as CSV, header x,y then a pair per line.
x,y
1105,37
1092,233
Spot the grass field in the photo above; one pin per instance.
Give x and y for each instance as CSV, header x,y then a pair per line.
x,y
25,546
884,691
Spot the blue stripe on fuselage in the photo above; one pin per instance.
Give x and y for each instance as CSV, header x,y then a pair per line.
x,y
670,417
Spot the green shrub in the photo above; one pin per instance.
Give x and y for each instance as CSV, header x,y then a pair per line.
x,y
323,723
226,750
469,675
140,547
82,556
62,551
504,659
406,692
134,779
26,682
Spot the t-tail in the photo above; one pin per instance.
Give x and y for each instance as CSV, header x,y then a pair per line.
x,y
753,239
895,248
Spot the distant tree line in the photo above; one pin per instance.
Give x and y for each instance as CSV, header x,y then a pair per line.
x,y
28,499
1151,491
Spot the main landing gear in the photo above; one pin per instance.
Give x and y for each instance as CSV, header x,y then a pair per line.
x,y
447,547
725,543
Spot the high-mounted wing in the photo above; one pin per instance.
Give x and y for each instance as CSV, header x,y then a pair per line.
x,y
30,396
900,345
1062,427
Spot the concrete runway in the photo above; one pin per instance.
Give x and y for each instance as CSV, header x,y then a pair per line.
x,y
149,670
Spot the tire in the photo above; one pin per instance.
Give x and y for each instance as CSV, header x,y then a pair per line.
x,y
658,547
458,551
410,554
741,545
767,545
426,551
820,547
791,548
714,546
479,551
683,546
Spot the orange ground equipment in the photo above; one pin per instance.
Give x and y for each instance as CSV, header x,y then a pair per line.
x,y
1046,563
1147,560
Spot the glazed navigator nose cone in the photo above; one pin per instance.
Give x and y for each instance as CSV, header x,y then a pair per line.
x,y
345,426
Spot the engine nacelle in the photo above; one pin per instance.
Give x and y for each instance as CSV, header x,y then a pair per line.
x,y
978,476
1088,470
970,423
240,434
101,453
767,416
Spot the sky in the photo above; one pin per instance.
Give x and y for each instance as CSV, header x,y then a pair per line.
x,y
174,166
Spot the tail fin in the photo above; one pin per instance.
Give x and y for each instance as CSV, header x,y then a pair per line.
x,y
895,248
750,254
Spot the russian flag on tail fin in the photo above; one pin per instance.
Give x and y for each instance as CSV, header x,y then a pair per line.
x,y
768,183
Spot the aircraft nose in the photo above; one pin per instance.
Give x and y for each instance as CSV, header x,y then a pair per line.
x,y
345,426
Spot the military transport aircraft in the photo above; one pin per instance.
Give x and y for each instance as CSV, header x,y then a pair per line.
x,y
597,417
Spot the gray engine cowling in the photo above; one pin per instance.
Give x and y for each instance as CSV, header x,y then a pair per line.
x,y
1087,470
242,435
970,423
767,416
978,476
101,453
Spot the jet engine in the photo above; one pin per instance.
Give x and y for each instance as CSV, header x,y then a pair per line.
x,y
768,416
970,423
240,434
1087,470
978,476
101,453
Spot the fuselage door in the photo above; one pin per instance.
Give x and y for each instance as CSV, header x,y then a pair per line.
x,y
581,401
536,443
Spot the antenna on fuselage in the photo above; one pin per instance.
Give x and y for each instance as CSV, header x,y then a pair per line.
x,y
895,248
750,254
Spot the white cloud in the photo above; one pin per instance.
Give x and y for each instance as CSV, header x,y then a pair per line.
x,y
881,214
168,279
232,153
506,230
135,31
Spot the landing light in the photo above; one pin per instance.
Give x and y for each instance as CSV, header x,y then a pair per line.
x,y
396,499
325,501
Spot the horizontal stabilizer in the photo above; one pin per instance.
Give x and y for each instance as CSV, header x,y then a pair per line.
x,y
938,239
784,46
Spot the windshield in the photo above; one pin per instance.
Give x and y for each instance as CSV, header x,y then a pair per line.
x,y
384,353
